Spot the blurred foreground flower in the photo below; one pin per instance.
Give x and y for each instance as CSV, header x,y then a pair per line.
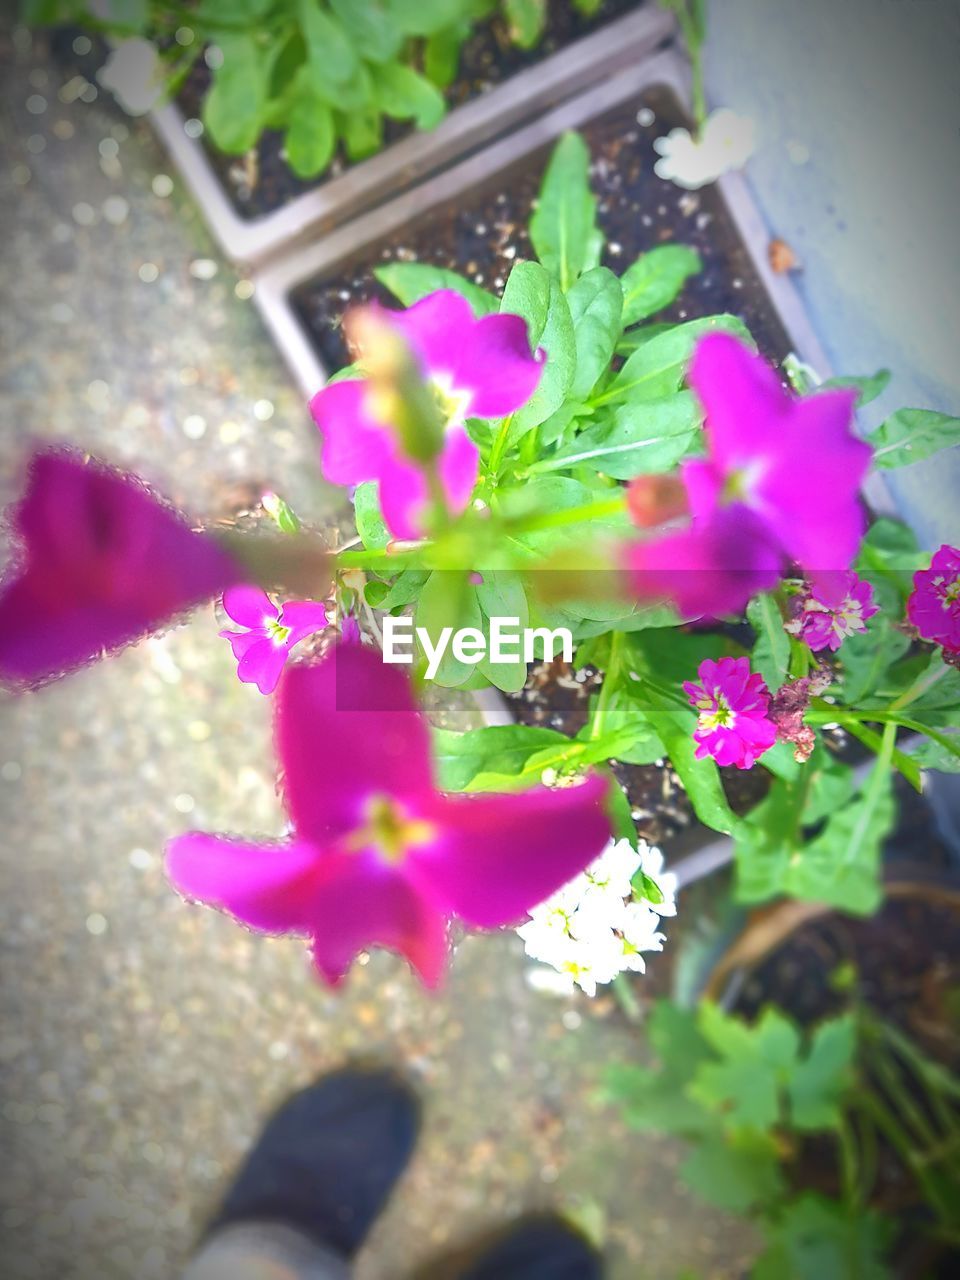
x,y
726,141
104,563
589,931
269,633
733,725
794,461
934,604
378,857
830,607
466,368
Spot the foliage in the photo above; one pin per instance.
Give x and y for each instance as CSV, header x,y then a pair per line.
x,y
754,1100
328,73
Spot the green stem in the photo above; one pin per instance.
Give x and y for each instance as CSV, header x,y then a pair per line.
x,y
626,999
606,688
571,515
923,682
496,453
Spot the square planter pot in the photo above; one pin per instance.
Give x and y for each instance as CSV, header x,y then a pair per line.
x,y
330,202
473,218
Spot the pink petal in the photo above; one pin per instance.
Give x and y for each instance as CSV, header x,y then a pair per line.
x,y
262,665
354,443
496,857
367,903
437,328
241,641
268,887
249,606
497,366
348,730
711,568
746,405
104,562
403,497
304,618
459,466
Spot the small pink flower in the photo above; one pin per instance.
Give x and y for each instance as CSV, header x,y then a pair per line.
x,y
269,633
377,856
709,569
832,605
732,704
794,461
477,368
934,604
104,562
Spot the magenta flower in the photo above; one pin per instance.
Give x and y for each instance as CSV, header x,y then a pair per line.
x,y
378,857
477,369
934,603
732,704
794,461
709,569
832,605
269,634
104,562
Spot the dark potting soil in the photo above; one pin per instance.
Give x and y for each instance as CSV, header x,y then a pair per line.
x,y
907,957
261,181
484,232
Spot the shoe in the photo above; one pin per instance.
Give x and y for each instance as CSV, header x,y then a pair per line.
x,y
537,1248
328,1159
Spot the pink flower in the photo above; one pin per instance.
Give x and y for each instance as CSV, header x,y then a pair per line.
x,y
104,562
794,461
934,603
711,568
378,857
832,605
476,368
269,634
732,704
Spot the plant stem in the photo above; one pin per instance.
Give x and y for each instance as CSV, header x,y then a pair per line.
x,y
606,688
923,682
571,515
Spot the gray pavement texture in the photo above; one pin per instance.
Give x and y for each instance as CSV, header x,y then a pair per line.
x,y
143,1040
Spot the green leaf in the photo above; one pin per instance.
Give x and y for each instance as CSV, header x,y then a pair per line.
x,y
527,19
596,303
657,368
362,132
127,16
441,55
771,653
404,94
496,749
329,48
655,280
734,1172
411,281
234,107
370,27
935,755
910,435
818,1082
700,778
632,439
563,223
868,655
813,1238
448,599
424,17
501,595
869,388
310,138
366,509
405,589
532,293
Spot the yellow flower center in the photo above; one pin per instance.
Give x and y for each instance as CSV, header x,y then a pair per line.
x,y
715,713
389,831
277,632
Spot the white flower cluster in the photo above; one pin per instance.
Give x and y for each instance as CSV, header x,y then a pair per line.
x,y
726,142
589,931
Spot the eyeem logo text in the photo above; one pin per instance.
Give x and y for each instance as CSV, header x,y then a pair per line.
x,y
507,642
